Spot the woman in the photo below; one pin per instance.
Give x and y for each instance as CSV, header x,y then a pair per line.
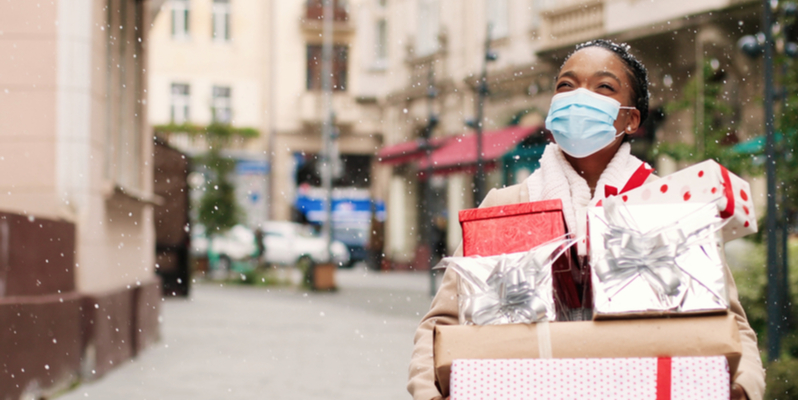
x,y
609,87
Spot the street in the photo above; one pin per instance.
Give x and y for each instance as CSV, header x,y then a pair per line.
x,y
241,342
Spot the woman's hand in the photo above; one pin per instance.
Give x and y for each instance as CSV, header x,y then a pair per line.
x,y
737,393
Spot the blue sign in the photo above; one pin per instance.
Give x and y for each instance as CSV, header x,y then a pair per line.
x,y
252,167
343,210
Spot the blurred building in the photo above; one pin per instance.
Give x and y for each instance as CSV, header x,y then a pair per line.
x,y
258,64
78,292
209,65
442,41
251,63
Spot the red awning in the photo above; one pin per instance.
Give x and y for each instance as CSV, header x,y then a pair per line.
x,y
407,151
460,153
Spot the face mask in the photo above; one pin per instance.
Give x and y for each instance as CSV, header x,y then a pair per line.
x,y
582,121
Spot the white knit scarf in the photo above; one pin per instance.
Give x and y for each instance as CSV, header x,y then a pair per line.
x,y
556,179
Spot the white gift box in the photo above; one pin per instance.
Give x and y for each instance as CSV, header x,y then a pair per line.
x,y
675,378
704,182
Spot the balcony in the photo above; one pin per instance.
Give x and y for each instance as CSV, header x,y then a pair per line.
x,y
566,22
312,105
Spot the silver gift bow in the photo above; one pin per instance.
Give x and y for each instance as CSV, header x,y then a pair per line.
x,y
519,288
651,255
510,296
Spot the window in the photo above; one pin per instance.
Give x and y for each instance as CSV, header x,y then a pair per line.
x,y
381,52
180,103
497,16
427,39
315,10
314,67
221,20
221,105
180,19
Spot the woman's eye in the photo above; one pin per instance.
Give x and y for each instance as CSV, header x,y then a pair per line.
x,y
562,84
606,86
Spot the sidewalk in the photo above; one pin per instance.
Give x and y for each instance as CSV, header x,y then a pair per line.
x,y
240,342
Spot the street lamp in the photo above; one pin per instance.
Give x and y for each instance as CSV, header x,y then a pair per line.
x,y
483,90
427,133
329,150
754,46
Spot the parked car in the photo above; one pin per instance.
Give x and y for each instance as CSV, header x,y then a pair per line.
x,y
199,241
237,244
291,243
354,235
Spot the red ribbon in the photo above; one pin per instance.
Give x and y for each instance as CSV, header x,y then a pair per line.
x,y
728,189
664,379
637,179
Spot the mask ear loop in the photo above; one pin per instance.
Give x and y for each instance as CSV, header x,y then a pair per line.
x,y
629,127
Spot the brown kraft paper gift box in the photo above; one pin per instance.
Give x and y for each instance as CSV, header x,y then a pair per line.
x,y
655,337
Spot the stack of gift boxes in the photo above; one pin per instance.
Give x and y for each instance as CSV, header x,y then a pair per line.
x,y
651,321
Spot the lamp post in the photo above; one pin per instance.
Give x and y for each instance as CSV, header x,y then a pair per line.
x,y
483,90
753,46
427,133
328,150
773,294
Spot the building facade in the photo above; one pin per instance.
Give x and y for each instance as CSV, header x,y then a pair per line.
x,y
209,66
258,64
299,103
78,290
442,44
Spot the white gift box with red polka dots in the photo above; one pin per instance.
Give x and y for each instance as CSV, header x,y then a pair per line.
x,y
704,182
676,378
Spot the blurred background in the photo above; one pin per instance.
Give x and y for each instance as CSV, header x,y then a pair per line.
x,y
244,198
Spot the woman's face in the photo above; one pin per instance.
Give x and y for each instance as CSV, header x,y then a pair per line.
x,y
601,71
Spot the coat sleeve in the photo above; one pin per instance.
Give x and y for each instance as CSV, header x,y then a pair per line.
x,y
750,375
444,311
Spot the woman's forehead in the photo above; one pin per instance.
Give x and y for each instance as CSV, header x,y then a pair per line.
x,y
594,59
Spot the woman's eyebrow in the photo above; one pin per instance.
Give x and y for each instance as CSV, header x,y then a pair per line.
x,y
608,74
567,74
573,75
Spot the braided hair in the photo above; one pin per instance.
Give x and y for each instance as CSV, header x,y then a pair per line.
x,y
637,73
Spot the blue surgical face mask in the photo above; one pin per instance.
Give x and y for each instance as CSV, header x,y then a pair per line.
x,y
582,121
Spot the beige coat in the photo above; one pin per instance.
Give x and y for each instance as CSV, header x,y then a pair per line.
x,y
444,311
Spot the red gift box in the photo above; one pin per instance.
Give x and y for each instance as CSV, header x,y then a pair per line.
x,y
511,228
520,227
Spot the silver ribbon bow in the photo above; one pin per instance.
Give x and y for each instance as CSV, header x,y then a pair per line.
x,y
510,296
651,255
519,288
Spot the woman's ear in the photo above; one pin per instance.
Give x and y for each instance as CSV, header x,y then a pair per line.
x,y
634,118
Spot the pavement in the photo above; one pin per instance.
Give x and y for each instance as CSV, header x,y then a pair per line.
x,y
230,341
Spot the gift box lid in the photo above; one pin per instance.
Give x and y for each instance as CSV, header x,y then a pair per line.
x,y
510,228
703,182
509,210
